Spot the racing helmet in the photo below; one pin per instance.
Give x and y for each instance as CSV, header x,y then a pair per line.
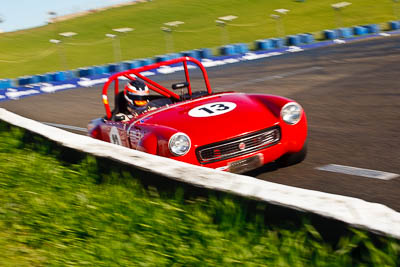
x,y
136,93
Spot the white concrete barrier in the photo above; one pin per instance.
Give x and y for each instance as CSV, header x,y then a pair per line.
x,y
356,212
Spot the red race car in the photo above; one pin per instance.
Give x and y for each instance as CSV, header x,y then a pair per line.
x,y
230,131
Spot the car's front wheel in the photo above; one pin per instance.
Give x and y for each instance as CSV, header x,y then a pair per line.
x,y
293,158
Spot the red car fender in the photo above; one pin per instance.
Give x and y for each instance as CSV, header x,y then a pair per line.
x,y
155,139
273,102
293,136
148,144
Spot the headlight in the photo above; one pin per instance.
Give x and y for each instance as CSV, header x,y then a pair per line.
x,y
179,144
291,113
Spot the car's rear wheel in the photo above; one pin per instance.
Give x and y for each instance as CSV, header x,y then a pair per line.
x,y
293,158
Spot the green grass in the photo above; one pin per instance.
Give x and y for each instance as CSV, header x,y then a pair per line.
x,y
56,213
30,52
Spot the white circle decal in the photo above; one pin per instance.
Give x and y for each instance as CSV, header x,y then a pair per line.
x,y
212,109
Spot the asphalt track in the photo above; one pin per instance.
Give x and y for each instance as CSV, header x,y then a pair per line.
x,y
351,94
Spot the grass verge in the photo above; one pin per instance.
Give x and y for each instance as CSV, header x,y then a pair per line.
x,y
59,207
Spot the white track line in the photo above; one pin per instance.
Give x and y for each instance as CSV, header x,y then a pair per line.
x,y
358,171
69,127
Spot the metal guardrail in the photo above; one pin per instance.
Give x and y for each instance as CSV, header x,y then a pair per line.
x,y
373,217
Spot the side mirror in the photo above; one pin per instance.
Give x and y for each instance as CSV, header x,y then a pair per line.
x,y
180,85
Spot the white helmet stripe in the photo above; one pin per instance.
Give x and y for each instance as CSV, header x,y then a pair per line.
x,y
138,91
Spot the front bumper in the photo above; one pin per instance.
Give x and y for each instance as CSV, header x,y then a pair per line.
x,y
250,161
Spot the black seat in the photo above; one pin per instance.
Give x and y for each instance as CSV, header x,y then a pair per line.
x,y
120,105
159,102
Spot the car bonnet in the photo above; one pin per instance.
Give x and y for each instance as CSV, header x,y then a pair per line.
x,y
214,118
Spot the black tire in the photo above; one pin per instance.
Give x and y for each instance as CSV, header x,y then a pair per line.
x,y
293,158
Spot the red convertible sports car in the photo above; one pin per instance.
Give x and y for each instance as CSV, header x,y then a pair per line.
x,y
230,131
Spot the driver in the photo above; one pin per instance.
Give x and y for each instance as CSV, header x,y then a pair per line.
x,y
136,94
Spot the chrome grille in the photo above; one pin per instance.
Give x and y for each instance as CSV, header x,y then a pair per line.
x,y
238,146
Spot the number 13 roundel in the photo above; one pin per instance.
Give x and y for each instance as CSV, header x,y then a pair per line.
x,y
212,109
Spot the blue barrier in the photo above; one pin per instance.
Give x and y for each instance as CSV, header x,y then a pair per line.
x,y
6,83
191,53
240,48
161,58
114,67
360,30
44,78
71,74
58,76
344,32
205,53
35,79
68,75
197,54
394,25
263,44
146,61
25,80
174,55
227,50
49,77
306,38
244,48
40,78
86,72
277,42
135,64
132,64
99,70
330,34
372,28
293,40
